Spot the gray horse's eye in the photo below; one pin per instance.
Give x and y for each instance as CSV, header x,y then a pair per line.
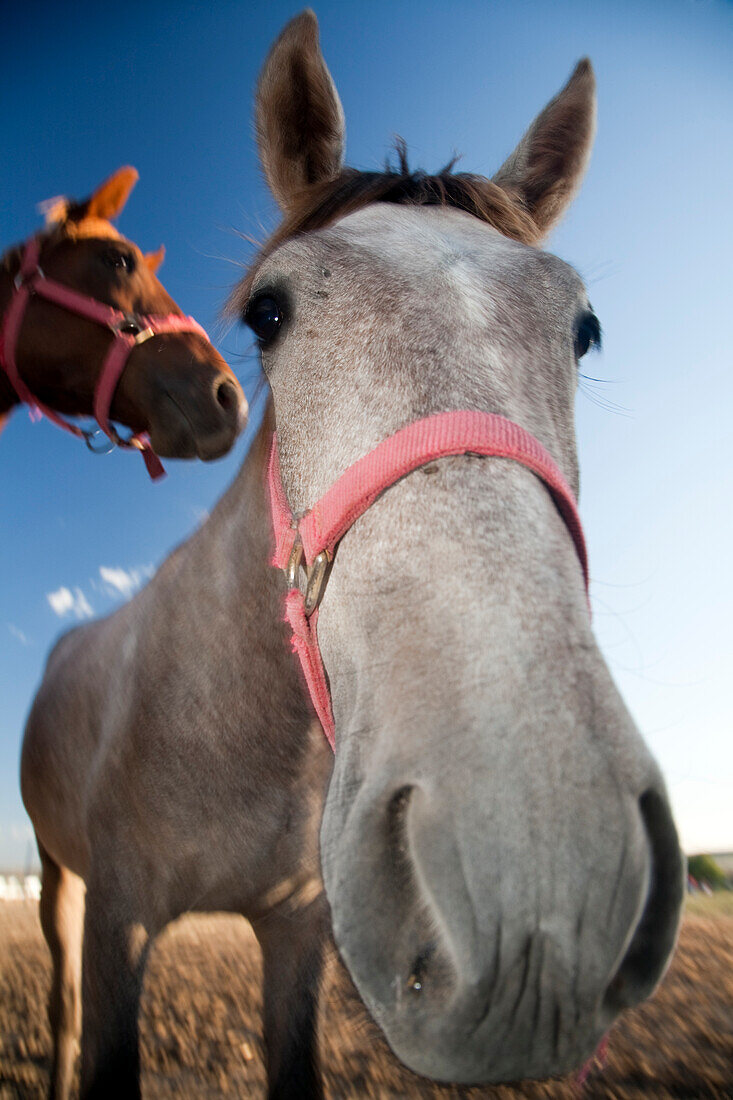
x,y
587,334
264,315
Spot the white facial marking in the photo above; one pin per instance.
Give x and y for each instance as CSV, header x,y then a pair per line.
x,y
473,302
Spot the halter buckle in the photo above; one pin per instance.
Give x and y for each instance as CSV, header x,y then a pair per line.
x,y
316,575
131,440
130,325
22,277
292,569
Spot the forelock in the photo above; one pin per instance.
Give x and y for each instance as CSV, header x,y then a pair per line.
x,y
322,204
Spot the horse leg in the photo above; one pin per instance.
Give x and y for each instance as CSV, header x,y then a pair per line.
x,y
62,921
292,954
116,944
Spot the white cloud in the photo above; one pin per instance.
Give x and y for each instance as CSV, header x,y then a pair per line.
x,y
64,602
19,634
124,582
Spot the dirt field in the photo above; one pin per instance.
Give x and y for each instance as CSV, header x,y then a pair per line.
x,y
201,1022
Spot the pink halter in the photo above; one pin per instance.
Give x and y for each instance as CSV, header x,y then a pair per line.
x,y
315,536
128,330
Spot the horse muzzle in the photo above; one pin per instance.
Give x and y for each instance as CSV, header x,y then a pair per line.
x,y
197,417
487,948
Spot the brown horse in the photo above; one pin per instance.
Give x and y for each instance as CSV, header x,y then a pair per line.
x,y
174,386
497,849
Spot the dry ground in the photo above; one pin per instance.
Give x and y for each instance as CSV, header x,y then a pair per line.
x,y
201,1022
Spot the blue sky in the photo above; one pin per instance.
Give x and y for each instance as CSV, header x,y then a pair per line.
x,y
168,88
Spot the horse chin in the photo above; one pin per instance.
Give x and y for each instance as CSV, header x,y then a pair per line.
x,y
207,451
185,444
480,1062
176,436
173,439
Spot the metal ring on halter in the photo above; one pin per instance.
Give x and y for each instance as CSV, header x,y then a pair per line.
x,y
90,434
21,279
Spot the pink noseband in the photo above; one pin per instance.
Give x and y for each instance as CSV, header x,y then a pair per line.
x,y
128,331
312,539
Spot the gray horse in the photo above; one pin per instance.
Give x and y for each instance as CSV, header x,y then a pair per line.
x,y
499,859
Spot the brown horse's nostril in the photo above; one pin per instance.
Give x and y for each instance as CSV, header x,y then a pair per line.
x,y
227,396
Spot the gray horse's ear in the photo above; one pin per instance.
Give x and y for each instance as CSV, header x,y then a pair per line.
x,y
546,168
299,117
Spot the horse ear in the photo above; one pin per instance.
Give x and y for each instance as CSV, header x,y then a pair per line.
x,y
298,115
544,171
110,197
153,260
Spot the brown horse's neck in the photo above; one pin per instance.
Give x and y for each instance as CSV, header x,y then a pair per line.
x,y
8,400
32,366
8,266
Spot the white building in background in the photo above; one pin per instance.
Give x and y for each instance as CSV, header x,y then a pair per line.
x,y
10,888
32,887
20,887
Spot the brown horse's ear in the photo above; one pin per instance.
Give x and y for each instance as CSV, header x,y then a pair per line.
x,y
545,170
110,197
54,210
153,260
298,114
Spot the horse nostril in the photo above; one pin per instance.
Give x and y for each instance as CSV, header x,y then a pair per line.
x,y
418,969
656,931
226,395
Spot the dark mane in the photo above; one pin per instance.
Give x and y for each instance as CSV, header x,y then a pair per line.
x,y
322,204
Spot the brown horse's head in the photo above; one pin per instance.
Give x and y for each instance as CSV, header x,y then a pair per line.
x,y
175,386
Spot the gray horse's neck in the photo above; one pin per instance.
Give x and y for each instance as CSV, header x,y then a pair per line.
x,y
235,613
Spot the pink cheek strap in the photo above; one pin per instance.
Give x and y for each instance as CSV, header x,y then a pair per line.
x,y
115,363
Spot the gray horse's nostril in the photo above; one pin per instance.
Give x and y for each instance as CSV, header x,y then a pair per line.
x,y
418,970
652,942
226,395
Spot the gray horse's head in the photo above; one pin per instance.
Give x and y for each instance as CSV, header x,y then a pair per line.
x,y
497,847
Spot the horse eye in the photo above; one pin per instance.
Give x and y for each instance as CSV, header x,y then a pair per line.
x,y
264,316
119,261
587,334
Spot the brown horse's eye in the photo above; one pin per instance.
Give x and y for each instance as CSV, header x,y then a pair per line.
x,y
118,260
587,334
264,316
